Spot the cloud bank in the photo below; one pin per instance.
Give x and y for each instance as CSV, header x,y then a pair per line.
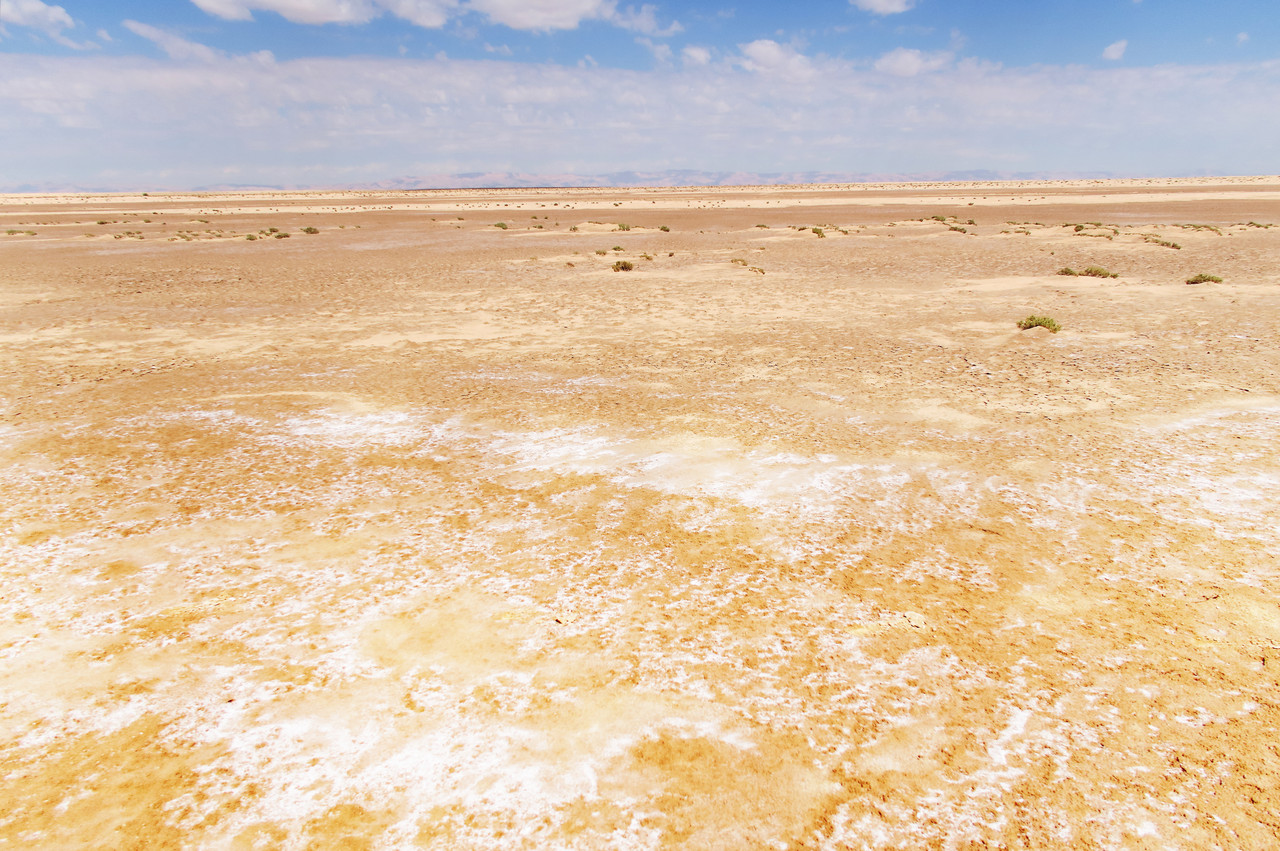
x,y
204,117
535,15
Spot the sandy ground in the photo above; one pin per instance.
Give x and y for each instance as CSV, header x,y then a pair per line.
x,y
418,531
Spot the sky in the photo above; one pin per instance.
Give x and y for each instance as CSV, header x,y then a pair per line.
x,y
183,94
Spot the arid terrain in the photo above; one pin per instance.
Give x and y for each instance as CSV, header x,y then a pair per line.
x,y
429,529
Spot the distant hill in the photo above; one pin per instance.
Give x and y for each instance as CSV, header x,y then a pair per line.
x,y
516,180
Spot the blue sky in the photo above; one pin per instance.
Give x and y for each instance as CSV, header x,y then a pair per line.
x,y
186,93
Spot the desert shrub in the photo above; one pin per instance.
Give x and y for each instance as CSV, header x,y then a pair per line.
x,y
766,227
819,232
573,229
1099,272
1034,321
1067,270
621,226
1155,240
502,225
739,261
665,229
617,248
251,237
282,236
958,229
623,266
310,230
601,252
1202,278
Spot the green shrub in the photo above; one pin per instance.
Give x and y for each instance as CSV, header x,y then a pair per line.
x,y
665,229
623,266
310,230
1034,321
819,232
601,252
1099,272
621,226
502,225
1202,278
617,248
282,236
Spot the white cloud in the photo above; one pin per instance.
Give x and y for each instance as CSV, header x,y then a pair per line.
x,y
906,62
695,55
174,46
661,52
537,15
884,7
50,20
544,14
129,121
771,59
1115,50
1241,38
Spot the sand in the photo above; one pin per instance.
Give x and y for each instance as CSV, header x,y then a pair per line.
x,y
421,532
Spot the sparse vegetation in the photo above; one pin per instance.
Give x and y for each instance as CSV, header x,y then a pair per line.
x,y
1155,240
617,248
310,230
601,252
958,229
1034,321
621,226
739,261
1202,278
282,236
766,227
665,229
1089,271
501,225
819,232
623,266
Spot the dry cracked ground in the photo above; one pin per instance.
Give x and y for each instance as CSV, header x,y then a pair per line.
x,y
429,529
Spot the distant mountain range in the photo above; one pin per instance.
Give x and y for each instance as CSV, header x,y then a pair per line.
x,y
517,180
692,177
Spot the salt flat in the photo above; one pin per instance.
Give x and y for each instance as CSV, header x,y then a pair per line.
x,y
420,531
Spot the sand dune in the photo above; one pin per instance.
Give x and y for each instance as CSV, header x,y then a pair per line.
x,y
416,531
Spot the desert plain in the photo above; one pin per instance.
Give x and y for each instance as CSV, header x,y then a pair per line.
x,y
416,520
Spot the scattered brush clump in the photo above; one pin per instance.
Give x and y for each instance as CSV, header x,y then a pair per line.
x,y
501,225
1202,278
310,230
665,229
739,261
1034,321
1164,243
601,252
623,266
1213,228
819,233
1089,271
621,226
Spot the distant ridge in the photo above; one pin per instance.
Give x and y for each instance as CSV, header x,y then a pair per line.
x,y
694,177
670,178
